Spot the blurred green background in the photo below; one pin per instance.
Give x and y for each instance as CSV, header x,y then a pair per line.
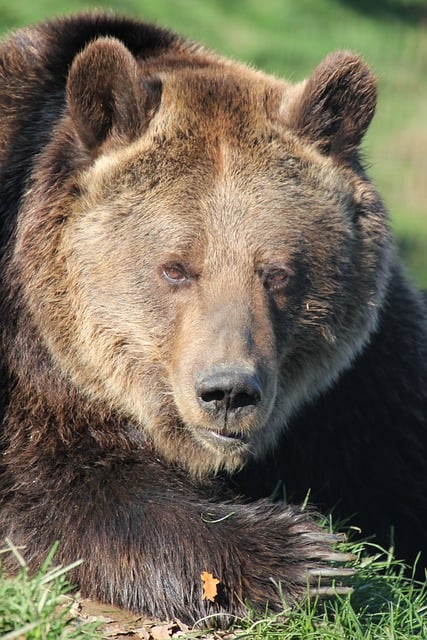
x,y
289,38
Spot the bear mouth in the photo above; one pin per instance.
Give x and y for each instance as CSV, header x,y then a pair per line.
x,y
226,437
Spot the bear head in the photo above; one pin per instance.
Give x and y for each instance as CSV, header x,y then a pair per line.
x,y
202,249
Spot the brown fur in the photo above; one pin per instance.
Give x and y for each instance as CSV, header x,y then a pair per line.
x,y
197,255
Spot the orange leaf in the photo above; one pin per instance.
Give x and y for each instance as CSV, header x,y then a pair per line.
x,y
210,590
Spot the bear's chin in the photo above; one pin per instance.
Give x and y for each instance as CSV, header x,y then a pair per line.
x,y
221,452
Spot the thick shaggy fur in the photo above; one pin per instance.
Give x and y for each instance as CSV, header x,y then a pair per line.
x,y
200,299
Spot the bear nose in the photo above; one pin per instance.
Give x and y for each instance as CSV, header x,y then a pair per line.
x,y
229,391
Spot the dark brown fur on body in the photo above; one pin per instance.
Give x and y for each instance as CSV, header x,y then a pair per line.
x,y
197,275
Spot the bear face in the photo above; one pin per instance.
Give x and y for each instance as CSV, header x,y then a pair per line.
x,y
218,263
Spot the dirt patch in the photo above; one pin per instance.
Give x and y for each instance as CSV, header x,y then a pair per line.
x,y
117,624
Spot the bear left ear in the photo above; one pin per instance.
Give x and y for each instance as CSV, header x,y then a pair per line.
x,y
106,96
336,105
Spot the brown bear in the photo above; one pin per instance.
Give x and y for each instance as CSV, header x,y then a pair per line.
x,y
201,301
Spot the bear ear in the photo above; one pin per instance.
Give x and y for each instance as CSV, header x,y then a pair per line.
x,y
106,95
336,105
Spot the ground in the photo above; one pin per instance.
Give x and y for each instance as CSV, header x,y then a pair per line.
x,y
117,624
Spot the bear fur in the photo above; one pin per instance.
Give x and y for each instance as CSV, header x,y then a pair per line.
x,y
201,301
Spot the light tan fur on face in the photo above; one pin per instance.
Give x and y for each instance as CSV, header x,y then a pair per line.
x,y
221,183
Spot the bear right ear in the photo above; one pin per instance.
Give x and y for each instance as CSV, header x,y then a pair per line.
x,y
336,105
106,95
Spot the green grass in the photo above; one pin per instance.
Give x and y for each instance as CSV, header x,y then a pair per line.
x,y
36,607
384,605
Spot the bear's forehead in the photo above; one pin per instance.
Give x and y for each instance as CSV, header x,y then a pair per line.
x,y
175,162
187,198
218,143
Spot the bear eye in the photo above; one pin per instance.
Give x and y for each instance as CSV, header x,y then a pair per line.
x,y
275,279
175,273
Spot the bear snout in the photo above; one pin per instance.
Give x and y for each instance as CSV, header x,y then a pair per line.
x,y
228,392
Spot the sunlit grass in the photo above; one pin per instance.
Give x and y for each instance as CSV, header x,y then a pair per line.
x,y
386,604
35,607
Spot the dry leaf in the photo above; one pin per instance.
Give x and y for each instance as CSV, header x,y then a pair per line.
x,y
161,632
210,590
